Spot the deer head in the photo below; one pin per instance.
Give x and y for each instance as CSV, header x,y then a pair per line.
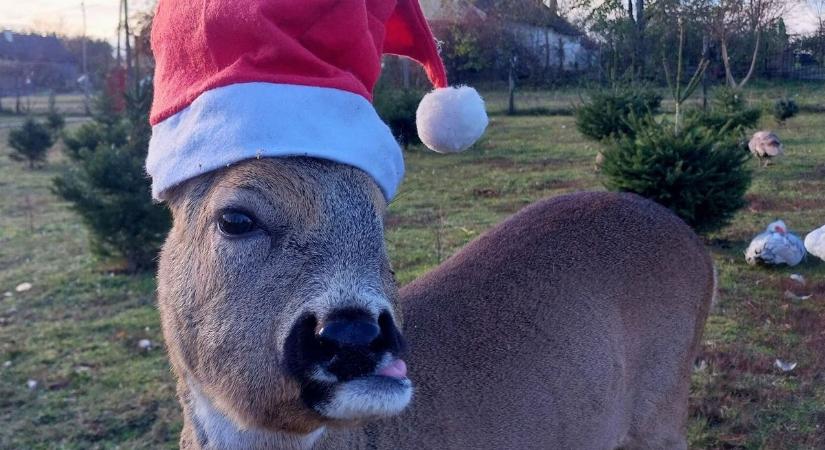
x,y
278,301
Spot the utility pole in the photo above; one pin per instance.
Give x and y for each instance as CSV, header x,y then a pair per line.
x,y
85,66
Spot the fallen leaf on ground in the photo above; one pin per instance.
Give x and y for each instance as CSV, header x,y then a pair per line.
x,y
784,366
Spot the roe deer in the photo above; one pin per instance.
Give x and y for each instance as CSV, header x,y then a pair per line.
x,y
571,325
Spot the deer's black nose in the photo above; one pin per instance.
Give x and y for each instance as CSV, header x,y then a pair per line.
x,y
349,333
351,342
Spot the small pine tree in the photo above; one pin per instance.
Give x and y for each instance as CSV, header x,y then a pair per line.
x,y
55,123
607,113
784,109
54,120
92,134
729,111
31,142
397,108
698,173
108,187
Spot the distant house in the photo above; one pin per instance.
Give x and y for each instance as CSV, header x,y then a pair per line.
x,y
31,63
553,41
446,12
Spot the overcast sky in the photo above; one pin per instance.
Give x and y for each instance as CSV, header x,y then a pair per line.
x,y
64,16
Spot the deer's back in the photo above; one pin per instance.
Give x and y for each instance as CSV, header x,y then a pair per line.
x,y
573,324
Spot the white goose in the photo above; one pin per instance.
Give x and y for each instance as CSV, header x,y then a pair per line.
x,y
776,245
815,242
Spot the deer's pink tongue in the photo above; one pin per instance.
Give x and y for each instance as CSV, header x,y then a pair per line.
x,y
395,369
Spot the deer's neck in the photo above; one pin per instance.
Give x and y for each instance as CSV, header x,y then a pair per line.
x,y
211,429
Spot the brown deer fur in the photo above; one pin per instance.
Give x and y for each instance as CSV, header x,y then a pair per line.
x,y
571,325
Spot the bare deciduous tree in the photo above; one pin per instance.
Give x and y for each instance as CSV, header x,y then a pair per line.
x,y
731,17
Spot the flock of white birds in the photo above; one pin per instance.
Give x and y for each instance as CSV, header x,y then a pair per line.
x,y
777,245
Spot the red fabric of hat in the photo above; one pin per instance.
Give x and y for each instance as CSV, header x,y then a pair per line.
x,y
236,79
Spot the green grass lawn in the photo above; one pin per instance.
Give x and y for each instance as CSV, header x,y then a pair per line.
x,y
76,332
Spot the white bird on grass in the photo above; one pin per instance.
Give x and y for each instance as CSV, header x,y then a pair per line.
x,y
776,245
815,242
765,145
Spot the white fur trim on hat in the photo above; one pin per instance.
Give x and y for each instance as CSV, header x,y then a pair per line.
x,y
257,120
450,120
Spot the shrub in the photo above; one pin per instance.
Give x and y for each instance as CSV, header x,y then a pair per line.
x,y
92,134
30,142
466,51
606,114
107,185
784,109
397,108
55,123
698,173
728,100
728,111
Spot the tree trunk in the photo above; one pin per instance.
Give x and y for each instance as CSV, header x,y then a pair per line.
x,y
561,55
705,46
511,106
726,62
753,59
546,52
17,94
641,42
129,69
405,72
634,62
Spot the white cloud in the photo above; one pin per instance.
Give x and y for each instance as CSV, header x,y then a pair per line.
x,y
802,18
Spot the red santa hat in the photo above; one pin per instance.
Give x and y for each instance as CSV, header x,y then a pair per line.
x,y
241,79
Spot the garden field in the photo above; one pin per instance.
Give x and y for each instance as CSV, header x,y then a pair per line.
x,y
73,375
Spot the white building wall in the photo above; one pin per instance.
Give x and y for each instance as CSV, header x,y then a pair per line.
x,y
546,42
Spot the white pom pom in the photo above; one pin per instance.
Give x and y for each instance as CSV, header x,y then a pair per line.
x,y
450,120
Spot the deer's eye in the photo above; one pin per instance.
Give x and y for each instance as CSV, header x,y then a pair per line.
x,y
236,223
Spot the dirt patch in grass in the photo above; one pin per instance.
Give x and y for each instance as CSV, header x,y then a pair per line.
x,y
760,203
810,324
733,363
818,290
486,193
394,220
814,187
731,242
509,207
817,173
500,162
560,184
